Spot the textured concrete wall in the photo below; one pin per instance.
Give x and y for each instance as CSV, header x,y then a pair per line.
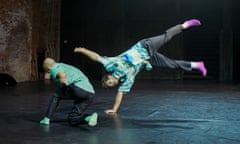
x,y
16,38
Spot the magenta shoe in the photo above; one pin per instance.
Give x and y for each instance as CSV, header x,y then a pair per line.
x,y
191,23
201,67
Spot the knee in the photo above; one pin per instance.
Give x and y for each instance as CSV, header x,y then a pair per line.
x,y
55,98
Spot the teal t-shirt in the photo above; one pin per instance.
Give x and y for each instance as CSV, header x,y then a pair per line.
x,y
74,76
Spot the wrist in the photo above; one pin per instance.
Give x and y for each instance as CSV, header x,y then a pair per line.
x,y
114,109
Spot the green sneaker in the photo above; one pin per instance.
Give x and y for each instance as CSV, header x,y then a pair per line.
x,y
92,119
45,121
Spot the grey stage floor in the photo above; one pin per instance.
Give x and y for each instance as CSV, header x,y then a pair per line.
x,y
189,112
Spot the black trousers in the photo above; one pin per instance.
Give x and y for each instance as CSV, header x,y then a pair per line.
x,y
153,44
82,99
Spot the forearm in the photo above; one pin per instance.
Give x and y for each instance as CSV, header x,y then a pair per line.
x,y
62,77
118,101
90,54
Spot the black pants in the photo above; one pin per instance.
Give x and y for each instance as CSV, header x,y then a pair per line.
x,y
157,59
82,99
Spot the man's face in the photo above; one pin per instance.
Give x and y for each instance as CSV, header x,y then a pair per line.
x,y
111,82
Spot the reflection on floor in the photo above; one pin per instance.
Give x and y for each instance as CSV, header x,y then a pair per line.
x,y
193,112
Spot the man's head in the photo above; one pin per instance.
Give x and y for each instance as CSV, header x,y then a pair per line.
x,y
48,63
109,81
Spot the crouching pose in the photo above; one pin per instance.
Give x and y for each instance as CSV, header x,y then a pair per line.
x,y
73,85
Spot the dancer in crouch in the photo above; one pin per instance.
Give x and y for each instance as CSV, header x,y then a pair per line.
x,y
143,55
73,85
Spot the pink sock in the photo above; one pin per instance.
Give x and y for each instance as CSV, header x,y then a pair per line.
x,y
200,66
191,23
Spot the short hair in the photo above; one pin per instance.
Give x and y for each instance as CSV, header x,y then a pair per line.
x,y
105,78
47,63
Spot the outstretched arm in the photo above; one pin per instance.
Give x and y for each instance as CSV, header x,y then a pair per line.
x,y
116,105
90,54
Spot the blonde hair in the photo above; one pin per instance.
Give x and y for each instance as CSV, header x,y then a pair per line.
x,y
48,63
